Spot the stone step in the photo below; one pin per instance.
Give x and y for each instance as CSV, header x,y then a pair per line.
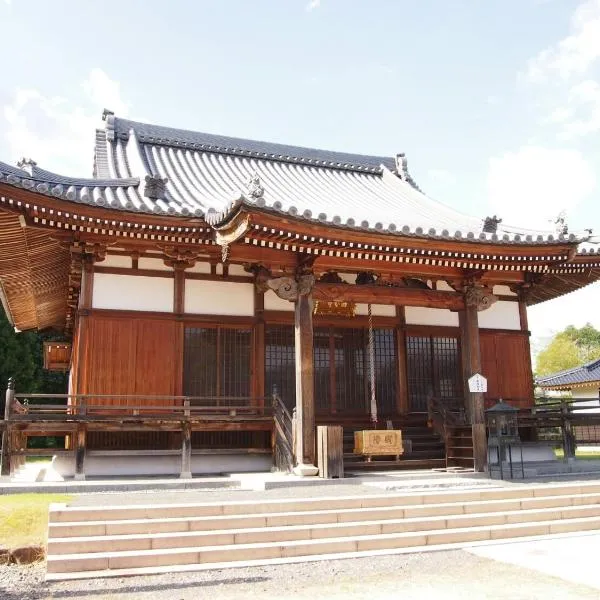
x,y
63,513
266,534
232,553
170,524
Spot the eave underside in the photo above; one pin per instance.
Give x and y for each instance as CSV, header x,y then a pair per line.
x,y
33,275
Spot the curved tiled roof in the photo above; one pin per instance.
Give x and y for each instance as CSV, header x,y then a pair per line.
x,y
116,193
210,176
588,373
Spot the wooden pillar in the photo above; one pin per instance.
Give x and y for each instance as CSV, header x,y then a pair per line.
x,y
6,432
186,444
476,405
85,304
305,387
402,397
259,347
80,447
525,330
186,451
179,288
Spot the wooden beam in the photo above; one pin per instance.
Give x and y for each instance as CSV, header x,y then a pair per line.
x,y
380,294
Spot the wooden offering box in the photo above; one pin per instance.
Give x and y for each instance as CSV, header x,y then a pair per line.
x,y
378,442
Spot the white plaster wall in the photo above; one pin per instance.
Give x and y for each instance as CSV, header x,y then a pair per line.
x,y
111,464
274,302
199,267
131,292
586,391
114,260
239,271
501,315
219,298
157,264
418,315
377,310
503,290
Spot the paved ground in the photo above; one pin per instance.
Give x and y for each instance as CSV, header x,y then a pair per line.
x,y
452,575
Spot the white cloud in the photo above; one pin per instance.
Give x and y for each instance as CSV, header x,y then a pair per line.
x,y
313,4
58,132
574,54
533,185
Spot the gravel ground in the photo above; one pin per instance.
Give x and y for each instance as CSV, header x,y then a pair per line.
x,y
451,575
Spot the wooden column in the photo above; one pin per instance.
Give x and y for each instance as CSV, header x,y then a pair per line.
x,y
470,328
179,288
6,433
305,387
186,451
85,304
80,447
259,347
186,444
402,397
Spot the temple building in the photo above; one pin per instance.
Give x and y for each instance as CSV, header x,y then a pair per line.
x,y
195,275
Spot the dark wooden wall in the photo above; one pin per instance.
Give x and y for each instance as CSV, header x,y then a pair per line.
x,y
506,362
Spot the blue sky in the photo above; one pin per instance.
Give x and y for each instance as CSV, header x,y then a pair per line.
x,y
496,104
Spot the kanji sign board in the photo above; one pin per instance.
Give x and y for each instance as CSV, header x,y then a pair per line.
x,y
477,383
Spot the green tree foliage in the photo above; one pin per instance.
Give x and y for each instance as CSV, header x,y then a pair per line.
x,y
569,348
21,357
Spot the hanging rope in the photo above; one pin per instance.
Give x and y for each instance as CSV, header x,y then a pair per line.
x,y
372,368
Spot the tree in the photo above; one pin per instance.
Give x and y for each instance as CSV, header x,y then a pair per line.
x,y
21,357
568,349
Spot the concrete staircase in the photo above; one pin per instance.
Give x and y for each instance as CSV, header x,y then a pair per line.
x,y
127,540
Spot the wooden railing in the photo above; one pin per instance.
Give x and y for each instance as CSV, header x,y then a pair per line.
x,y
93,407
77,414
284,438
567,423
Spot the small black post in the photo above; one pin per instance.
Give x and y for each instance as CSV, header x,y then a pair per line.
x,y
6,433
567,432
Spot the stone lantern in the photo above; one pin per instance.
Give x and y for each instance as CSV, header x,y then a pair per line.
x,y
503,437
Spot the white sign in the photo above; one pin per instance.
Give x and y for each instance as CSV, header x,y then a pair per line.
x,y
477,383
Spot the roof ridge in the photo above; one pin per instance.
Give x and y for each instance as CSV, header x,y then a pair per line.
x,y
187,138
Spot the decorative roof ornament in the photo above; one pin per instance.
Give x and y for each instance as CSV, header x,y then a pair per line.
x,y
402,170
254,188
155,187
560,223
27,164
107,113
490,224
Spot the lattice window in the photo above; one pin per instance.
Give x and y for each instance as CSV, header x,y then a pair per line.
x,y
341,368
217,362
280,365
433,366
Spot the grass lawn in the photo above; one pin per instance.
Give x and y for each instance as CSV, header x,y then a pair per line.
x,y
24,518
581,453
